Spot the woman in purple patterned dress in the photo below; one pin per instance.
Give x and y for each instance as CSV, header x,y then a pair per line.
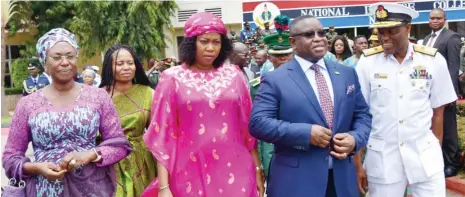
x,y
62,121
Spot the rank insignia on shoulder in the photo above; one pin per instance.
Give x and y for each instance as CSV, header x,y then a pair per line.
x,y
255,82
419,72
380,76
425,50
372,51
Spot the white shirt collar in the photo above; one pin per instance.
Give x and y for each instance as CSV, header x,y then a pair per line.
x,y
305,65
438,31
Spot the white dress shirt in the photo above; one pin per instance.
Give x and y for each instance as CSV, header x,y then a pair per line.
x,y
310,74
305,65
432,40
35,79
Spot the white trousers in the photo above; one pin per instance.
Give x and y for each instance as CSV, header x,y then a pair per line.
x,y
435,187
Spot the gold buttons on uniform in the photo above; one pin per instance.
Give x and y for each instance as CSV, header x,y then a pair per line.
x,y
401,121
402,143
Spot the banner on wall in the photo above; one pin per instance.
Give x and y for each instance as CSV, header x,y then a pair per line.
x,y
343,14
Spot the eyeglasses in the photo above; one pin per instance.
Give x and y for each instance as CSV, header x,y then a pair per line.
x,y
311,34
62,57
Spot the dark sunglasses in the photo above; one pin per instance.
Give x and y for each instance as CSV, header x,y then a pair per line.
x,y
311,34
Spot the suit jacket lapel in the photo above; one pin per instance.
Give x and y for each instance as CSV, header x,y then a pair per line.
x,y
338,91
440,36
297,74
426,40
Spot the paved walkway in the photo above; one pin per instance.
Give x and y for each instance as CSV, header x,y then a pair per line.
x,y
452,194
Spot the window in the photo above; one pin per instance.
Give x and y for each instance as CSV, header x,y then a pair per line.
x,y
179,40
420,31
12,53
15,51
7,68
215,11
183,15
458,27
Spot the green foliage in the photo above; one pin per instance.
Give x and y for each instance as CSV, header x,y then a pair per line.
x,y
461,135
140,24
20,14
30,50
19,71
47,15
6,119
13,91
43,15
100,24
461,108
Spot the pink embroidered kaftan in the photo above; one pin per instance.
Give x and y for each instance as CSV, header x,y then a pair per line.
x,y
199,132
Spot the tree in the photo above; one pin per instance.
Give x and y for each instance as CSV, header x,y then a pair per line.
x,y
100,24
10,9
140,24
19,71
43,16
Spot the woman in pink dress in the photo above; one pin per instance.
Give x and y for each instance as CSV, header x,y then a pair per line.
x,y
199,130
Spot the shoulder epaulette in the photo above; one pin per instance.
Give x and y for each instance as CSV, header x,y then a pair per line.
x,y
425,50
27,89
372,51
255,82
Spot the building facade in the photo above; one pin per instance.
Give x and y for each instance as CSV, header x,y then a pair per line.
x,y
352,17
228,10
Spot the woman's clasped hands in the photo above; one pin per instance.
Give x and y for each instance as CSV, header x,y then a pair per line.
x,y
72,161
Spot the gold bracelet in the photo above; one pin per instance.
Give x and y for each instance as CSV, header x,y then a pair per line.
x,y
164,187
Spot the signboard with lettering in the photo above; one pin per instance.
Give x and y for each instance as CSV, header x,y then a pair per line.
x,y
356,15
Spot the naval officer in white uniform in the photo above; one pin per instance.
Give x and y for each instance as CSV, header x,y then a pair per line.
x,y
406,86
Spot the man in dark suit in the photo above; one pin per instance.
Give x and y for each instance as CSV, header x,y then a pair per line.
x,y
314,113
448,44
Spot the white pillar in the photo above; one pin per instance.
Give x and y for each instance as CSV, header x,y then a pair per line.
x,y
355,32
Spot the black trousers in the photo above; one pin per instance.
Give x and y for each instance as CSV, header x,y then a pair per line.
x,y
330,189
450,140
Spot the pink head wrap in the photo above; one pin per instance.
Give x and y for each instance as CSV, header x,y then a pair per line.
x,y
203,23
